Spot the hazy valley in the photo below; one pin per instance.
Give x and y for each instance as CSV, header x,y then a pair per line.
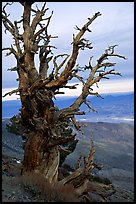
x,y
113,139
112,108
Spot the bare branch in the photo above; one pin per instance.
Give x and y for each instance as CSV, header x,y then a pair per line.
x,y
40,83
81,173
107,64
8,24
13,69
95,94
83,43
71,87
44,61
116,55
17,37
71,62
12,51
6,6
85,27
110,49
89,161
89,106
77,28
78,164
77,126
93,80
57,68
78,77
11,92
69,112
39,32
109,53
38,18
59,141
58,92
76,43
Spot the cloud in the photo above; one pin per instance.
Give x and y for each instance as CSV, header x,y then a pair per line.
x,y
12,97
116,27
105,87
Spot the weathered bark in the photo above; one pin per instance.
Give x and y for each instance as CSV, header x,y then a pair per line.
x,y
39,158
81,176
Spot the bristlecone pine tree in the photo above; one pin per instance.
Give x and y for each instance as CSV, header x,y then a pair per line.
x,y
37,89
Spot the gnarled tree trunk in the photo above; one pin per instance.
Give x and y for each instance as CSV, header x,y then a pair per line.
x,y
37,89
39,158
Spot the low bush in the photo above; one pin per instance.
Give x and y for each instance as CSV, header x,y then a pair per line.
x,y
101,180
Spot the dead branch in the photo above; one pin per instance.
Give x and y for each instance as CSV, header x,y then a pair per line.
x,y
44,61
75,51
95,94
17,36
76,42
8,24
40,83
93,80
89,106
13,69
109,54
12,51
43,29
59,141
11,92
77,126
71,87
78,77
80,177
89,161
78,163
56,67
89,65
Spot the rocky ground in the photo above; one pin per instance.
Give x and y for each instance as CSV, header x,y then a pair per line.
x,y
14,191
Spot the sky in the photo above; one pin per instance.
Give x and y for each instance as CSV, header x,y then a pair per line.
x,y
114,26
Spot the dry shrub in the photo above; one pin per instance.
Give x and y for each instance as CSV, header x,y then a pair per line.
x,y
44,191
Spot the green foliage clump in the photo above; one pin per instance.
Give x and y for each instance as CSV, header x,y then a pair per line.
x,y
15,126
105,181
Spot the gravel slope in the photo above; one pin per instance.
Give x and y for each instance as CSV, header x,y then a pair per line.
x,y
123,179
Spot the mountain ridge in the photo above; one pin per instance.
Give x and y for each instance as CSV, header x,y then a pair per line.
x,y
115,106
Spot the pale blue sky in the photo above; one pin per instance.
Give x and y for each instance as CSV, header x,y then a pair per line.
x,y
115,26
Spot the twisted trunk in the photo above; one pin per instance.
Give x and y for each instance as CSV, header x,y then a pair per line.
x,y
39,158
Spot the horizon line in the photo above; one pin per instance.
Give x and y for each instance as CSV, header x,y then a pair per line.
x,y
66,96
105,87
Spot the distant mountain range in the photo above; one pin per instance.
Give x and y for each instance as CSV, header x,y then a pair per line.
x,y
112,108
